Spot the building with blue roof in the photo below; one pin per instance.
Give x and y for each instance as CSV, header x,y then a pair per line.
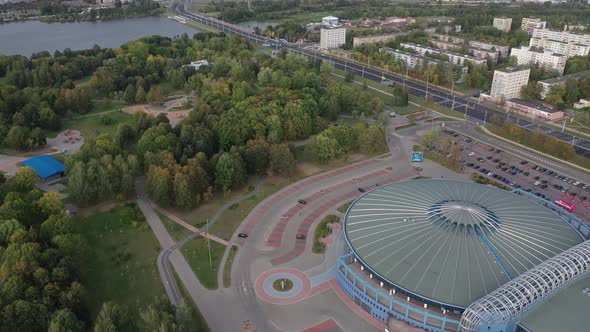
x,y
45,166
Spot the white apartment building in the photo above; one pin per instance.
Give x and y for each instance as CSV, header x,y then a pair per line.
x,y
475,51
455,58
508,82
529,24
411,60
502,50
568,49
374,39
548,83
547,59
332,37
503,23
562,36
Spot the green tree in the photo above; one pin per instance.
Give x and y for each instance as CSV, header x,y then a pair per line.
x,y
111,318
282,161
130,93
159,185
429,138
65,321
184,197
155,95
324,148
224,171
140,95
51,203
25,179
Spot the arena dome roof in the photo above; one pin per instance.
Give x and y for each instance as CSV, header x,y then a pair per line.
x,y
452,242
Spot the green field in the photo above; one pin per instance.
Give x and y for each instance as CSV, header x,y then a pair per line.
x,y
177,231
196,253
120,265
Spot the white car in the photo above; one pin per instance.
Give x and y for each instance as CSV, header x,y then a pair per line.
x,y
537,183
576,183
471,154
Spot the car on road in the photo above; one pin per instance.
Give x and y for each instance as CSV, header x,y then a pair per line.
x,y
524,162
300,237
362,190
242,235
419,169
536,183
471,154
302,201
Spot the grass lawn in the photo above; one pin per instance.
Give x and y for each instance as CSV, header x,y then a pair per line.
x,y
167,88
580,122
442,160
120,265
201,324
196,253
342,208
176,231
321,231
92,126
228,265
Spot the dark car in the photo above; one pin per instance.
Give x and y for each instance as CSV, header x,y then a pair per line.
x,y
526,173
362,190
537,177
300,237
524,162
302,201
496,160
242,235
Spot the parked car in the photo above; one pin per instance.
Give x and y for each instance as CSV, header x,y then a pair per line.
x,y
362,190
302,201
300,237
242,235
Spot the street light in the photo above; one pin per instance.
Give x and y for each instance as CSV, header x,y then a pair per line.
x,y
485,118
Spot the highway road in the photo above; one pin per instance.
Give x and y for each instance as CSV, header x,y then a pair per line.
x,y
473,111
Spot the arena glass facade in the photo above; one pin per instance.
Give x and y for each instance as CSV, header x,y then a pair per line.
x,y
383,300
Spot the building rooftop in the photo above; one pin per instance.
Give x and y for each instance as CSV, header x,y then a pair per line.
x,y
512,69
45,166
452,242
534,104
559,79
565,311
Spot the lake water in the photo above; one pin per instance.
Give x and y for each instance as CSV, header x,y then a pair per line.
x,y
29,37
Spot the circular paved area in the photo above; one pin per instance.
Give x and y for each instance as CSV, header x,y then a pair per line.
x,y
265,291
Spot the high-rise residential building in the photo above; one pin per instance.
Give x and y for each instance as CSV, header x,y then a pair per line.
x,y
529,24
503,23
547,59
508,82
332,37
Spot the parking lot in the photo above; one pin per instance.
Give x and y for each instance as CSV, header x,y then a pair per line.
x,y
516,173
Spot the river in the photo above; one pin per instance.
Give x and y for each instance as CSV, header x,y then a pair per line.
x,y
29,37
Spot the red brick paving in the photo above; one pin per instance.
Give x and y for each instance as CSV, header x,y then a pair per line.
x,y
329,325
274,239
260,211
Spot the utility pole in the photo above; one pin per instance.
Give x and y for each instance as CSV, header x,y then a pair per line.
x,y
485,117
427,80
453,94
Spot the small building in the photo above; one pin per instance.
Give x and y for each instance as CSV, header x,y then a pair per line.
x,y
332,37
45,166
330,20
533,108
503,23
374,39
582,103
529,24
198,64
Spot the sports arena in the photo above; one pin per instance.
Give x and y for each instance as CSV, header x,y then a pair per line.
x,y
431,251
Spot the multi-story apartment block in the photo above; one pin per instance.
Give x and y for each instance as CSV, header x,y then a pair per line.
x,y
332,37
562,36
455,58
448,38
503,23
508,82
568,49
411,60
475,51
547,59
384,38
529,24
547,84
502,50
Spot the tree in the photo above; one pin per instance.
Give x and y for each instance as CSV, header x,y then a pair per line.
x,y
429,138
256,155
371,139
17,137
111,318
324,148
65,321
184,197
51,203
155,95
159,185
282,161
229,171
531,91
140,95
25,179
130,93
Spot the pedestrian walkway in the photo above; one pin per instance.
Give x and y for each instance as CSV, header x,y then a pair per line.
x,y
189,226
329,325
